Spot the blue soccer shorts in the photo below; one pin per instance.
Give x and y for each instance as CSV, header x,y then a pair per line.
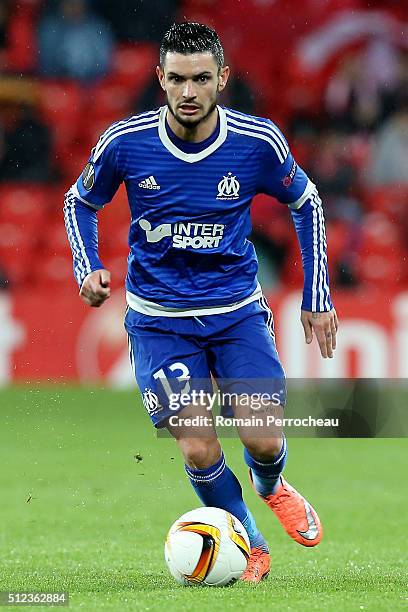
x,y
175,355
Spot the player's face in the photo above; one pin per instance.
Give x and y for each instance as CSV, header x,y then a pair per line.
x,y
192,83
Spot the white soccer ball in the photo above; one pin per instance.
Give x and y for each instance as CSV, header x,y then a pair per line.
x,y
207,546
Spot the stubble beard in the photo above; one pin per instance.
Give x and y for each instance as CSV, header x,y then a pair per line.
x,y
191,125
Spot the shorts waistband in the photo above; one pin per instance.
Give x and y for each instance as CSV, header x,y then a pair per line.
x,y
151,308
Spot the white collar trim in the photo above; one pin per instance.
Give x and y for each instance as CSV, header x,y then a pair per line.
x,y
192,157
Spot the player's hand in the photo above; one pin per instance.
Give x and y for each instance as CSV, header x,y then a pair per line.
x,y
325,326
96,288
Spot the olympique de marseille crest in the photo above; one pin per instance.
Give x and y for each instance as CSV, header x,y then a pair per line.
x,y
228,188
151,401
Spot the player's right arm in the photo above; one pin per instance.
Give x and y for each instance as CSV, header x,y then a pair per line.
x,y
95,187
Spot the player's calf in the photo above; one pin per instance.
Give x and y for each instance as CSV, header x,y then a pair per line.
x,y
211,478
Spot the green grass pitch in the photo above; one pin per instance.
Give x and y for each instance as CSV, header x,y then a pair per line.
x,y
80,513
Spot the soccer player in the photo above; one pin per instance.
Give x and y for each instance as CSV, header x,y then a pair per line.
x,y
195,307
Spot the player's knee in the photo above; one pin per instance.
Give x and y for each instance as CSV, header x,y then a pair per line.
x,y
263,448
200,453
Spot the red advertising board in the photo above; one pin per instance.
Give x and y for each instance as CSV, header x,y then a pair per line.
x,y
48,337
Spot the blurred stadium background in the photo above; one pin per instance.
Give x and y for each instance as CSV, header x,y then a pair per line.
x,y
87,496
333,74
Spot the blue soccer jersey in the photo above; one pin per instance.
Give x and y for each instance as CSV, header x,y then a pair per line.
x,y
190,212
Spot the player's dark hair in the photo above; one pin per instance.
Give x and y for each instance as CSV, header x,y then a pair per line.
x,y
189,38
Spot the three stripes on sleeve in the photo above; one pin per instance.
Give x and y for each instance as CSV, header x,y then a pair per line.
x,y
310,229
81,224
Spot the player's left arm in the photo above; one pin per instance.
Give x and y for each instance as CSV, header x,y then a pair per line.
x,y
282,178
318,314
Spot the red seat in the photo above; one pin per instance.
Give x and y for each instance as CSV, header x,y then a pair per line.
x,y
55,271
292,272
17,270
90,132
381,255
386,199
72,163
24,204
61,109
379,235
116,213
133,65
271,219
60,106
21,51
16,248
381,271
55,241
16,237
60,101
110,100
114,240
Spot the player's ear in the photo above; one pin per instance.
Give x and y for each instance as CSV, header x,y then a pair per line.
x,y
223,77
160,76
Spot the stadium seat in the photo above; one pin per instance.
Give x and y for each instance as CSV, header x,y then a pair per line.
x,y
386,198
56,272
21,54
292,272
381,256
16,248
78,116
133,65
60,100
380,235
271,219
24,204
116,213
60,107
114,239
111,100
381,271
72,162
55,241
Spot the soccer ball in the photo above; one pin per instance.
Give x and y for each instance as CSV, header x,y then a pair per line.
x,y
207,546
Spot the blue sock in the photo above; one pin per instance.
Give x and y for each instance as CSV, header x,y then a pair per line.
x,y
266,476
218,486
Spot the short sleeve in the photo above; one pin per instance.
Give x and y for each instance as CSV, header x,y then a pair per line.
x,y
100,178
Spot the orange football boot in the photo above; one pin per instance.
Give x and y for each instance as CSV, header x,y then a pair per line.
x,y
258,567
295,514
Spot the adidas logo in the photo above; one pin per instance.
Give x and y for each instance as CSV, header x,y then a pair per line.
x,y
149,183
